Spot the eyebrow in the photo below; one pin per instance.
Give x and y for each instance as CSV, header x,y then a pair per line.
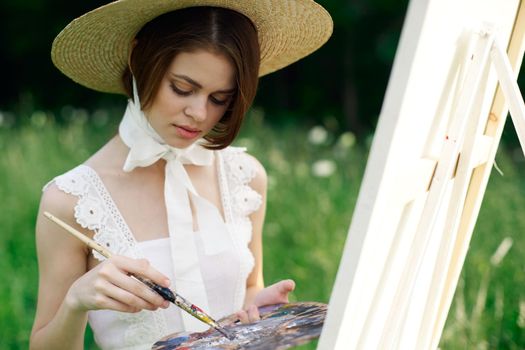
x,y
196,84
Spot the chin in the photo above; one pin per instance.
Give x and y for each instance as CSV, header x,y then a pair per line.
x,y
178,143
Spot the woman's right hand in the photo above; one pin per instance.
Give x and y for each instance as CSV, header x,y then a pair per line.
x,y
110,285
67,288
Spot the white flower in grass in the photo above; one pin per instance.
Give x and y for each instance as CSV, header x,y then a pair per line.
x,y
89,213
323,168
317,135
346,140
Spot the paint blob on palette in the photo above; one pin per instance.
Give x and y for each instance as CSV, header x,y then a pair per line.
x,y
281,326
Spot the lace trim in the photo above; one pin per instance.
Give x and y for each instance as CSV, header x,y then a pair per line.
x,y
241,171
236,170
97,211
110,237
223,187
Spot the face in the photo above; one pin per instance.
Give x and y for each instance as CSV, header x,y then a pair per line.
x,y
193,96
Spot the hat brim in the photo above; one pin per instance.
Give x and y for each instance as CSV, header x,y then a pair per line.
x,y
93,49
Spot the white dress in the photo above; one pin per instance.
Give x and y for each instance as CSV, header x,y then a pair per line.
x,y
224,274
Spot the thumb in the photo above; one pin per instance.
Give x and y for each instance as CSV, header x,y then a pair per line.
x,y
284,287
277,293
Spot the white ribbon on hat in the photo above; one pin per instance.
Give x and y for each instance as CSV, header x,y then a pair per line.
x,y
147,147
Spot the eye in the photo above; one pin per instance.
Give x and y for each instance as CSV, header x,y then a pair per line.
x,y
219,102
179,91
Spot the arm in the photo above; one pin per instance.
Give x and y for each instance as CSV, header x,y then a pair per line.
x,y
256,294
57,324
255,282
67,290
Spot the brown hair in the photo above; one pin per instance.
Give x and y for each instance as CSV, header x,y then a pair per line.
x,y
216,29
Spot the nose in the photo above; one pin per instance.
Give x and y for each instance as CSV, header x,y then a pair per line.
x,y
196,108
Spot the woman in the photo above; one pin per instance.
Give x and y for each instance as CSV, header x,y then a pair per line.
x,y
166,194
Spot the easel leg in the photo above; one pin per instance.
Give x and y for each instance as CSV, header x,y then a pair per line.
x,y
511,90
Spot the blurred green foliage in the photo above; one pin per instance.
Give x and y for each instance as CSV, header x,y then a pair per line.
x,y
313,185
314,178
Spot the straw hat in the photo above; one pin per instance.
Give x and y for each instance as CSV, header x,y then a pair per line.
x,y
93,49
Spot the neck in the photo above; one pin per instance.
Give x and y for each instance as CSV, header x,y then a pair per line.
x,y
121,151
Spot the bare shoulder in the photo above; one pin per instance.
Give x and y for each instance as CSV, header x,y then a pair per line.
x,y
50,236
57,202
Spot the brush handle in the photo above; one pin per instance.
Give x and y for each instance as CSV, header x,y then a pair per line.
x,y
166,293
90,243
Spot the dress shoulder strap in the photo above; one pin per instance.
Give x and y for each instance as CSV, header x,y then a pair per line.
x,y
236,171
96,211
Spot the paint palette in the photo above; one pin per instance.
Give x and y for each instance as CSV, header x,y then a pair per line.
x,y
281,326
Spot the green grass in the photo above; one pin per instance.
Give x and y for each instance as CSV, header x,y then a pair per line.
x,y
307,220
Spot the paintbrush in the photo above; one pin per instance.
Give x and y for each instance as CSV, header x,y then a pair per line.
x,y
166,293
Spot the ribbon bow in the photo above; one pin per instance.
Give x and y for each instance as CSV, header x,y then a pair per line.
x,y
147,147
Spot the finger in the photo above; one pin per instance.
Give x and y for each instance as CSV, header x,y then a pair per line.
x,y
286,286
141,267
253,313
109,296
149,299
282,289
277,293
243,316
140,290
107,303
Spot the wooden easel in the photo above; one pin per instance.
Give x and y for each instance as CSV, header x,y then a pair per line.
x,y
465,149
452,186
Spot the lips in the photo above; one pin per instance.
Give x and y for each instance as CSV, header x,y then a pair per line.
x,y
186,131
